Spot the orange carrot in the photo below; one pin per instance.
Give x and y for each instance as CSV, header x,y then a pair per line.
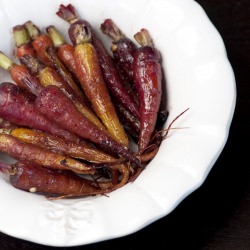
x,y
22,41
20,74
65,50
40,42
44,47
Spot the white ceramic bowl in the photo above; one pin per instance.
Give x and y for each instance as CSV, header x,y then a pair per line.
x,y
199,77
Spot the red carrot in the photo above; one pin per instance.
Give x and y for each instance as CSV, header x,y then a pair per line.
x,y
57,106
17,106
123,49
148,80
35,179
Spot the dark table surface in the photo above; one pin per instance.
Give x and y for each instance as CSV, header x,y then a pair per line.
x,y
217,215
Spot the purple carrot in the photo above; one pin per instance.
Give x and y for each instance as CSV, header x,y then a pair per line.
x,y
58,107
17,106
123,48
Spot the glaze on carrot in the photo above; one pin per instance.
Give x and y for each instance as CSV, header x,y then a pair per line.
x,y
20,150
58,107
65,51
17,106
148,79
33,178
123,48
81,30
83,150
90,76
48,76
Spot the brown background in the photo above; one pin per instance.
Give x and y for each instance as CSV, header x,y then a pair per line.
x,y
217,215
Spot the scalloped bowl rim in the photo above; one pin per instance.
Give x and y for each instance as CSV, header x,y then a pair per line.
x,y
198,76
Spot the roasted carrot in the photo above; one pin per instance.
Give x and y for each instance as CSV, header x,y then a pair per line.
x,y
80,31
148,80
40,41
59,108
20,150
33,178
20,74
65,51
22,41
130,123
17,106
56,184
123,48
91,79
83,150
48,76
44,47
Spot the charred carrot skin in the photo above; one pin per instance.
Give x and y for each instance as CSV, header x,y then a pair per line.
x,y
148,80
55,104
17,106
20,150
82,150
48,76
20,75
